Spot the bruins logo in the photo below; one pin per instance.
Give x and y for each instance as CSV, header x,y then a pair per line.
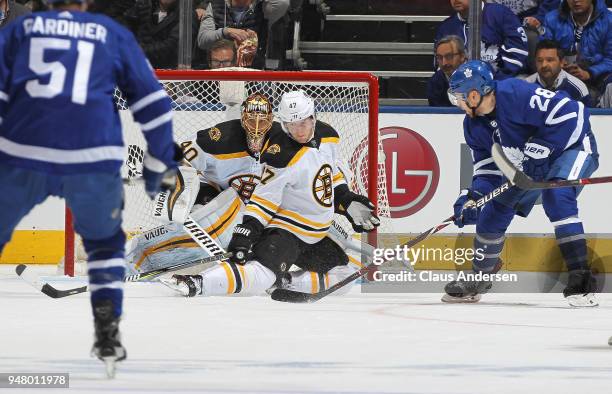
x,y
273,149
323,186
214,133
244,185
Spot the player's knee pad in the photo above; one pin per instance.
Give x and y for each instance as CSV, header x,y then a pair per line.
x,y
494,218
227,278
560,203
322,256
277,250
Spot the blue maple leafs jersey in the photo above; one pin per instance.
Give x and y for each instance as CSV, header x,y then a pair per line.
x,y
523,111
58,73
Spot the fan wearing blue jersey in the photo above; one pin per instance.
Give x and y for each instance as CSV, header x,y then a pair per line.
x,y
545,134
60,135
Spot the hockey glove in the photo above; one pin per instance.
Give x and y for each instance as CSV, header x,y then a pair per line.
x,y
360,212
243,238
465,209
536,163
157,176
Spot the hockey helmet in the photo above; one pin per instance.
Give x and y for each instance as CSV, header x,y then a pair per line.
x,y
295,106
256,118
473,75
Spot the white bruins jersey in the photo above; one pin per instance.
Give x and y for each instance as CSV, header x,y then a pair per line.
x,y
221,156
296,190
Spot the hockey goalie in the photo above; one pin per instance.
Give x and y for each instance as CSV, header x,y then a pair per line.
x,y
224,162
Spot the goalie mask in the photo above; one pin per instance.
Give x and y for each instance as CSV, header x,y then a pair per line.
x,y
296,112
256,118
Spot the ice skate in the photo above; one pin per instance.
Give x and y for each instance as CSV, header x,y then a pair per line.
x,y
186,285
465,291
107,346
580,288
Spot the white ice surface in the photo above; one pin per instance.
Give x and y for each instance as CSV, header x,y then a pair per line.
x,y
359,343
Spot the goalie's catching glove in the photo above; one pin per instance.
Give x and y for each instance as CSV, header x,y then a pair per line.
x,y
243,238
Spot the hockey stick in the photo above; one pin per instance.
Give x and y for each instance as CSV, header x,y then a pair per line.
x,y
52,292
286,295
523,181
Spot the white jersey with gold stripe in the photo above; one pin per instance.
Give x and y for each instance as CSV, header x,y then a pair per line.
x,y
296,190
221,156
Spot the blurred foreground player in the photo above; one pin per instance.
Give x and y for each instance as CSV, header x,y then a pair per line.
x,y
287,220
545,134
60,135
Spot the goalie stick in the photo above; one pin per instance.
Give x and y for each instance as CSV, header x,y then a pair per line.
x,y
286,295
523,181
52,292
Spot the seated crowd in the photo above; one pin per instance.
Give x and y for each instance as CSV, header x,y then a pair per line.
x,y
559,44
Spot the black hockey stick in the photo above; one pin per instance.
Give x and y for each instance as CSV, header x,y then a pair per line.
x,y
286,295
523,181
52,292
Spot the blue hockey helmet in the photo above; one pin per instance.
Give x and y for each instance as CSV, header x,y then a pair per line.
x,y
473,75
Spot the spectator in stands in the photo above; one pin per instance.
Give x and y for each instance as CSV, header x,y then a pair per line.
x,y
504,43
222,54
583,29
200,8
115,9
244,21
450,54
551,76
9,10
531,13
156,26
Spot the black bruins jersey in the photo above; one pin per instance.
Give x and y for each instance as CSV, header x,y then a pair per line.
x,y
296,190
221,155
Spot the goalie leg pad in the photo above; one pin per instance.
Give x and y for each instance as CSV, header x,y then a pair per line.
x,y
170,244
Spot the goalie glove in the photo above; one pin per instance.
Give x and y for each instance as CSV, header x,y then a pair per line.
x,y
243,238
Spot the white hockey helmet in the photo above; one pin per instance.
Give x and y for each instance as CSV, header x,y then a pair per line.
x,y
295,106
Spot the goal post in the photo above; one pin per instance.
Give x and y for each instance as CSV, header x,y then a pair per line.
x,y
348,101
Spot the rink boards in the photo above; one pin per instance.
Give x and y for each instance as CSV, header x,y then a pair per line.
x,y
39,238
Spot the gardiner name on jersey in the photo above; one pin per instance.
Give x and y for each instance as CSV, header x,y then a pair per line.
x,y
58,73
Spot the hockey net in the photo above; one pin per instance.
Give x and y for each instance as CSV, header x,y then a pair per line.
x,y
347,101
